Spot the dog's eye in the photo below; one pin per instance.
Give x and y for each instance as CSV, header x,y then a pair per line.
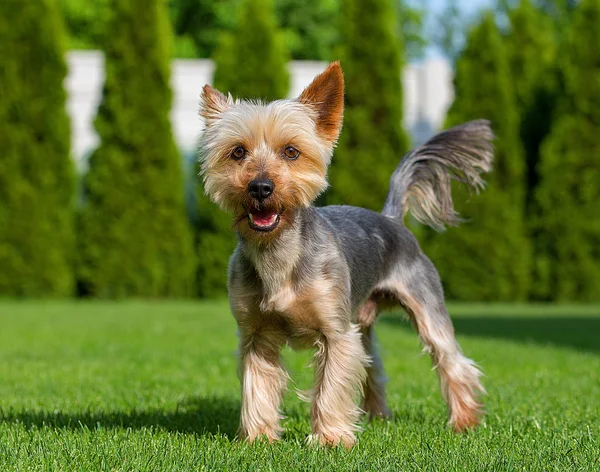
x,y
238,153
291,153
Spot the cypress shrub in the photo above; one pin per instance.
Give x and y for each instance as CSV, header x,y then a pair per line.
x,y
569,190
532,47
36,173
372,140
251,60
215,243
135,238
487,257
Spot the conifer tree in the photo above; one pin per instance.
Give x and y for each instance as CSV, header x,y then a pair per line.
x,y
216,241
532,48
372,140
251,61
36,174
569,192
487,257
135,238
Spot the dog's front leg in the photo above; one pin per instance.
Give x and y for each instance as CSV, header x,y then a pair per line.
x,y
263,382
340,371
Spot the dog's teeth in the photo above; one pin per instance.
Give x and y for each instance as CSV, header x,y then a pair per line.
x,y
251,217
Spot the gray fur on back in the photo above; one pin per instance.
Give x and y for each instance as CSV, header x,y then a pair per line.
x,y
370,243
421,183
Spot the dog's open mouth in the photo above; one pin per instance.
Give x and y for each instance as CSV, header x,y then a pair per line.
x,y
263,220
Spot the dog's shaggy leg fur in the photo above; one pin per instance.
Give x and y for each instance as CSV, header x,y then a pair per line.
x,y
459,376
263,382
374,401
340,363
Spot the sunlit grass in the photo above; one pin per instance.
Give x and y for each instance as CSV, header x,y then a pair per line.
x,y
153,386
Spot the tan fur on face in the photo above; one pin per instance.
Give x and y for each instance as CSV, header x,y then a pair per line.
x,y
265,131
311,124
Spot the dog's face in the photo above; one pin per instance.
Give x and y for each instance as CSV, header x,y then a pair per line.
x,y
263,161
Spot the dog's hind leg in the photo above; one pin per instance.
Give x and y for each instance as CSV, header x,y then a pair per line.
x,y
374,401
419,291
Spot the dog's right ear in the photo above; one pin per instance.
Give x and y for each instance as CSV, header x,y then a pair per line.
x,y
326,96
213,103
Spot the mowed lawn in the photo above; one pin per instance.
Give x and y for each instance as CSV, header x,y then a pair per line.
x,y
153,386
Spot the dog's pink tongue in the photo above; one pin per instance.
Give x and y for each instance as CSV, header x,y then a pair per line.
x,y
264,218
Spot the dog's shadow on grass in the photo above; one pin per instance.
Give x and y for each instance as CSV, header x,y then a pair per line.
x,y
574,332
196,415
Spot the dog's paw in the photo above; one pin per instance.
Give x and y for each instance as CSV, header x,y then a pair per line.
x,y
329,439
266,433
465,419
377,409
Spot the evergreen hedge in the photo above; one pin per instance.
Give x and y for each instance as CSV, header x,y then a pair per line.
x,y
216,241
135,238
569,192
372,140
251,61
532,47
488,257
36,174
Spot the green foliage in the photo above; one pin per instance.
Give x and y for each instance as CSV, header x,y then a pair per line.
x,y
308,26
569,190
372,140
202,21
36,174
532,50
487,257
411,21
134,235
215,243
450,26
532,46
251,61
246,74
85,22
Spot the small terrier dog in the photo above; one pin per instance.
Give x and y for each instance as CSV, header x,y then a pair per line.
x,y
318,277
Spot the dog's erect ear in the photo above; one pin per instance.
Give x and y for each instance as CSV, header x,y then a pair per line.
x,y
326,96
213,103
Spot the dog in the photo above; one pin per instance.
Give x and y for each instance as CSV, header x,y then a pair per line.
x,y
317,278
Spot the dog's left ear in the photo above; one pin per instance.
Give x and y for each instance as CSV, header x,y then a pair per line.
x,y
213,103
326,96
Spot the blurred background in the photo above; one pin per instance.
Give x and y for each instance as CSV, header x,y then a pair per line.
x,y
99,195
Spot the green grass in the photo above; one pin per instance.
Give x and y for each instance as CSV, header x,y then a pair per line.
x,y
152,386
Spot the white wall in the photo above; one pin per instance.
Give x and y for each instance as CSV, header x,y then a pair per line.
x,y
427,96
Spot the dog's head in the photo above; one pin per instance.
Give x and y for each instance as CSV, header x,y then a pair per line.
x,y
262,161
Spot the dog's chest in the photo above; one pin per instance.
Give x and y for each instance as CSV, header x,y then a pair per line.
x,y
301,303
277,296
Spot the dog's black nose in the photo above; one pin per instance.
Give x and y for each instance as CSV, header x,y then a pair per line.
x,y
261,188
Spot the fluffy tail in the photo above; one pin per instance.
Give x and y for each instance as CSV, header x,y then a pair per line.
x,y
421,182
